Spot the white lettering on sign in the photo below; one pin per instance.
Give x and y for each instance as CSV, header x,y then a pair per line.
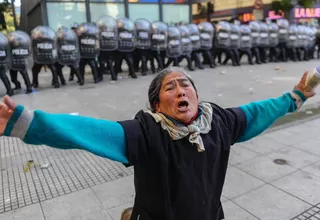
x,y
274,35
293,37
3,53
223,35
205,36
46,46
195,38
144,35
20,52
234,37
88,41
107,34
283,31
174,42
126,35
68,47
158,36
254,34
245,38
185,40
263,35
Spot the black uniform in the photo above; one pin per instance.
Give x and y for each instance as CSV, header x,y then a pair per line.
x,y
264,41
274,42
246,42
68,53
108,36
143,44
186,46
196,45
283,25
222,41
173,51
21,52
292,44
206,41
4,63
255,35
88,35
158,43
126,44
233,50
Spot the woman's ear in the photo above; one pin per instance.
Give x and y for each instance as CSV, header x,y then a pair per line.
x,y
157,107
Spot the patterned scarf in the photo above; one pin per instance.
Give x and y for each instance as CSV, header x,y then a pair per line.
x,y
201,125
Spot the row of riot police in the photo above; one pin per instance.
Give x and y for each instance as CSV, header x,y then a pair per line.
x,y
262,41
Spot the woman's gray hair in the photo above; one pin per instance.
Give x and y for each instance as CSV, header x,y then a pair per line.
x,y
155,85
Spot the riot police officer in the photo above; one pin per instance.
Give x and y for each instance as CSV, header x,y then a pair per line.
x,y
302,42
186,46
173,51
263,41
88,35
158,43
108,36
68,52
274,41
245,42
232,51
222,41
195,42
126,44
312,41
283,25
44,44
143,43
206,41
255,36
21,53
292,43
4,63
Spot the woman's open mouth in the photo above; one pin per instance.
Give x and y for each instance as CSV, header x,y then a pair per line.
x,y
183,106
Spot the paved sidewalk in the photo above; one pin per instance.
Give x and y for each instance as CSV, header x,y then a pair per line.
x,y
79,185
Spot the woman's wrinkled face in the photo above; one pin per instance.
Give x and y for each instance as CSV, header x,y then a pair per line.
x,y
178,98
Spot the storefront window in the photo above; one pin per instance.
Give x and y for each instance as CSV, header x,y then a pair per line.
x,y
115,10
146,11
175,1
65,14
173,14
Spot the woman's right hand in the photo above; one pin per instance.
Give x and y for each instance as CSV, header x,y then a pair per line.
x,y
6,111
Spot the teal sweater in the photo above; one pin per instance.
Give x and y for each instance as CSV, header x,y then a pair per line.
x,y
107,139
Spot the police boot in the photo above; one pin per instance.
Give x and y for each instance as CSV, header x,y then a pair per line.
x,y
210,59
129,60
197,60
35,82
77,73
189,61
144,68
26,79
6,83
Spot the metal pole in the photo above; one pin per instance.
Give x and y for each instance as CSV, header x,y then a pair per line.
x,y
14,15
88,12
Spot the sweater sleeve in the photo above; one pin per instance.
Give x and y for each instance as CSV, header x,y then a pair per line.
x,y
101,137
262,114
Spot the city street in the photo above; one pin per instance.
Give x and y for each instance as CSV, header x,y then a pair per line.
x,y
276,176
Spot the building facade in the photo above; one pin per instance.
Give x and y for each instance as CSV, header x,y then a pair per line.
x,y
56,13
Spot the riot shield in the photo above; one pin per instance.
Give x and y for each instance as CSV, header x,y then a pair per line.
x,y
127,35
186,44
194,36
4,53
206,35
255,33
264,35
234,36
108,33
44,45
222,39
68,46
88,35
20,50
174,42
283,25
293,40
300,35
246,41
143,30
274,34
159,36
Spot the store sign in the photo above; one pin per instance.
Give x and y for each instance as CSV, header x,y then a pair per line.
x,y
307,12
245,17
273,15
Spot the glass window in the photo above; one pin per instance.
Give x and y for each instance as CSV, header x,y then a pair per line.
x,y
115,10
65,14
175,1
64,0
106,0
147,11
173,14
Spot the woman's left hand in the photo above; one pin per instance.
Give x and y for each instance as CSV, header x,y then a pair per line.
x,y
302,85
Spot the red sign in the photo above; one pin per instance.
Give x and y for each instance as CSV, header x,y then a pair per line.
x,y
258,4
307,13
